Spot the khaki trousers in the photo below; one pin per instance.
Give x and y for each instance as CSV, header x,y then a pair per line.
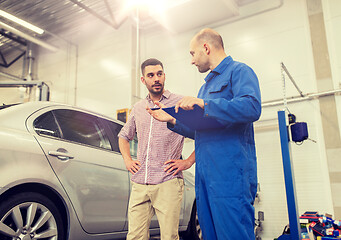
x,y
164,199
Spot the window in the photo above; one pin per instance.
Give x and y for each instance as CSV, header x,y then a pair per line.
x,y
115,129
46,125
81,128
133,147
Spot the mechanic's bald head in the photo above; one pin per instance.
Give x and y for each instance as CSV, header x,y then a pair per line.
x,y
211,37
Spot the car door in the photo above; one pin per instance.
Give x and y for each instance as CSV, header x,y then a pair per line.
x,y
92,173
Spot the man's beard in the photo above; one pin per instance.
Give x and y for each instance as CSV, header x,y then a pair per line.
x,y
160,90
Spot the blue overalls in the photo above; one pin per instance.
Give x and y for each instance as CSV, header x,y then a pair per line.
x,y
226,165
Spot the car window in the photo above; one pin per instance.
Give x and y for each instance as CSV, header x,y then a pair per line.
x,y
115,129
46,125
133,147
81,128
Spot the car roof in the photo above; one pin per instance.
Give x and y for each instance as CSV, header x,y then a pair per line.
x,y
16,115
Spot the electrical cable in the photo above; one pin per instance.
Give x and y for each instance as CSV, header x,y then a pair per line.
x,y
284,90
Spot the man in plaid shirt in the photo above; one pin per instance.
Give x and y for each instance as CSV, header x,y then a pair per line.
x,y
156,186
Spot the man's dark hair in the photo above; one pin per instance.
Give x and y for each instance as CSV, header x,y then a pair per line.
x,y
150,62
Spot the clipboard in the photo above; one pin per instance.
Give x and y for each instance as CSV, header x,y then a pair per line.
x,y
193,119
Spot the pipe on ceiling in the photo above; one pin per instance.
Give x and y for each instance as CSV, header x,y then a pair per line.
x,y
301,99
20,83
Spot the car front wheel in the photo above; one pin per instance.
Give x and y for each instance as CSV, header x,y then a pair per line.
x,y
30,216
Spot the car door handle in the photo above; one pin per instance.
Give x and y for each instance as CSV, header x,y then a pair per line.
x,y
61,155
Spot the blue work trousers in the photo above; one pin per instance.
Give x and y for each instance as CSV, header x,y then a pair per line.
x,y
224,218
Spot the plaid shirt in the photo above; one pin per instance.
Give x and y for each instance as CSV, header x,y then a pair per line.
x,y
156,143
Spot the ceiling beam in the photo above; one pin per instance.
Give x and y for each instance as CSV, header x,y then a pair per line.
x,y
28,37
14,38
5,64
94,13
9,76
21,83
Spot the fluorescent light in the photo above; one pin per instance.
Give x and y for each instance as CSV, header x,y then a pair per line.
x,y
21,22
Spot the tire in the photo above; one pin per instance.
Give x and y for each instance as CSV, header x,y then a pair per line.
x,y
193,231
30,215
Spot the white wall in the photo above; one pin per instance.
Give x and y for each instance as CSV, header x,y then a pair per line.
x,y
101,73
104,75
332,15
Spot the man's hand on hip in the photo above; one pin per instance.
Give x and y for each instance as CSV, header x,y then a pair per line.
x,y
133,166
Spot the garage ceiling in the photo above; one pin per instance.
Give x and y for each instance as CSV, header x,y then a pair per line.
x,y
58,17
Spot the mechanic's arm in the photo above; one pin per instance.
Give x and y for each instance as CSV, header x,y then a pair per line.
x,y
131,165
178,165
244,107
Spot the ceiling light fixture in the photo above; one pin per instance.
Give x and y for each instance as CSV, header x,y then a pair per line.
x,y
21,22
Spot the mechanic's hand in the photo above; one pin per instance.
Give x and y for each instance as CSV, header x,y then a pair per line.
x,y
187,103
133,166
160,115
177,165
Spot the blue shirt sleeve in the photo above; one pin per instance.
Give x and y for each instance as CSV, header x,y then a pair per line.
x,y
181,129
244,106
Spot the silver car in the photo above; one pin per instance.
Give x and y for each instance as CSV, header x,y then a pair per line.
x,y
62,176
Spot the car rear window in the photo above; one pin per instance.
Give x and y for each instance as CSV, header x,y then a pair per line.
x,y
46,125
81,128
115,129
